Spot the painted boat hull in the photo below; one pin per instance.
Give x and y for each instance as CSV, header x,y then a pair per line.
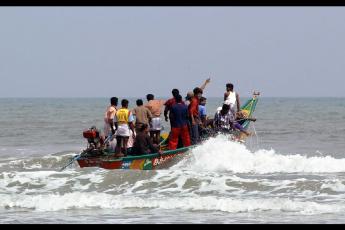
x,y
144,162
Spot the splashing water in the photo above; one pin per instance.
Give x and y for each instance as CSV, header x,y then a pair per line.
x,y
218,175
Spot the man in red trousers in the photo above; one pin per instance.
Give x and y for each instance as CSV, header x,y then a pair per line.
x,y
179,121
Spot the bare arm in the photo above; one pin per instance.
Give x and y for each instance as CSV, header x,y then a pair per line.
x,y
115,122
226,94
149,115
166,110
205,83
238,102
131,126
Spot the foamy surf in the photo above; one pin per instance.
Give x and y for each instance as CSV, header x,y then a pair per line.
x,y
217,155
219,175
56,202
220,154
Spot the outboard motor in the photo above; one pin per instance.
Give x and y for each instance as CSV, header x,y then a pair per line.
x,y
95,142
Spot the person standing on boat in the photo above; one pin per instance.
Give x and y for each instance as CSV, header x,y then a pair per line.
x,y
206,126
109,117
143,143
202,111
123,123
169,103
155,107
231,98
190,94
179,127
193,111
189,97
142,114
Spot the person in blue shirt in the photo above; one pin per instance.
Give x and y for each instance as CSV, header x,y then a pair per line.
x,y
179,124
202,111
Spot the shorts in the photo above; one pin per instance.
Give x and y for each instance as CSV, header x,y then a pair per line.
x,y
155,124
123,131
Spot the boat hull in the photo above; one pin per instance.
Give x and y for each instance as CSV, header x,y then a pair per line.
x,y
145,162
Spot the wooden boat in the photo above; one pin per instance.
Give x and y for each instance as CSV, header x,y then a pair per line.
x,y
107,160
143,162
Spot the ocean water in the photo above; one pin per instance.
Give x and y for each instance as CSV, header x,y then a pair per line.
x,y
291,171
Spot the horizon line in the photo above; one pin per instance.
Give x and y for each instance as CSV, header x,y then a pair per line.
x,y
138,97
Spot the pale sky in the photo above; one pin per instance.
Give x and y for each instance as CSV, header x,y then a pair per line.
x,y
132,51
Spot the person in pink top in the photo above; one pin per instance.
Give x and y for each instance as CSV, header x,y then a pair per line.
x,y
109,117
155,107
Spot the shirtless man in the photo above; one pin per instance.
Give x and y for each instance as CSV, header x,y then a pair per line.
x,y
155,107
109,117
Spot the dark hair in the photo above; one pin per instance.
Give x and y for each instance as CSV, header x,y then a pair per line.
x,y
226,107
175,92
143,127
150,97
178,98
229,85
124,103
114,100
197,90
202,99
139,102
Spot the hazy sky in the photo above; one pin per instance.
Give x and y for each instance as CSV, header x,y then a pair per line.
x,y
132,51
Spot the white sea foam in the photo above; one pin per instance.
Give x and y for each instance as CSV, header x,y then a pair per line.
x,y
207,179
220,154
55,202
335,185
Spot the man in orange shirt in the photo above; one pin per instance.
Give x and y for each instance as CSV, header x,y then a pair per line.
x,y
155,107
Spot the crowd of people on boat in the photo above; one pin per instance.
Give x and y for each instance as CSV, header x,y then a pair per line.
x,y
138,131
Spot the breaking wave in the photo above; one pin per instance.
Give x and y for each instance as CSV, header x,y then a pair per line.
x,y
218,175
219,154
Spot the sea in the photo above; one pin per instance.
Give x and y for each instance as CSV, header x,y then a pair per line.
x,y
291,170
